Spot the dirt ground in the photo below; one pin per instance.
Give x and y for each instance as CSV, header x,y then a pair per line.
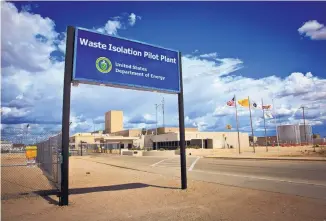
x,y
17,178
110,193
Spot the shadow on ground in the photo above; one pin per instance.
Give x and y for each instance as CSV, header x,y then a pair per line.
x,y
46,194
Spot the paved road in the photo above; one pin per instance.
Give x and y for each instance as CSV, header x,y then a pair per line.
x,y
306,179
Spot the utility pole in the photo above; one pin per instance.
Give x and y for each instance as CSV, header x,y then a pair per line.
x,y
304,124
93,125
274,113
262,105
156,106
163,111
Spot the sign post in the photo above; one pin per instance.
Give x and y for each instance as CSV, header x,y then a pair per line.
x,y
99,59
182,132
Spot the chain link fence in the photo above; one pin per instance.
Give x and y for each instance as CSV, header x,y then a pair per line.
x,y
95,148
19,177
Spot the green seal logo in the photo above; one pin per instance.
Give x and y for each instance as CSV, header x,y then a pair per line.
x,y
103,65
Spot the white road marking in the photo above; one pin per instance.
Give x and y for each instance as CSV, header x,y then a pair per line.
x,y
153,165
193,164
262,178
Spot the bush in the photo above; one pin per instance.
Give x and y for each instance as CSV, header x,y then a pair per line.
x,y
316,145
161,149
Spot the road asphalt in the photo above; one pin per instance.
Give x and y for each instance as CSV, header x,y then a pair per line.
x,y
301,178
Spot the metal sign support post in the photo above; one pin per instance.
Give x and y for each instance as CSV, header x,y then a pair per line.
x,y
69,66
182,131
66,116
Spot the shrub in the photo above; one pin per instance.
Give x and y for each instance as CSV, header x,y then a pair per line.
x,y
161,149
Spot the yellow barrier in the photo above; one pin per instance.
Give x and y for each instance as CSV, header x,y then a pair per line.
x,y
31,152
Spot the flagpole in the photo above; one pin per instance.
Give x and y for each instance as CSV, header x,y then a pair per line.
x,y
262,106
252,130
278,143
236,116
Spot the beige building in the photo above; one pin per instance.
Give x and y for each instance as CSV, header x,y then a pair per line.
x,y
127,133
114,137
205,140
113,121
78,138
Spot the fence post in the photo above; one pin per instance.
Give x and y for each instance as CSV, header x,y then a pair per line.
x,y
81,148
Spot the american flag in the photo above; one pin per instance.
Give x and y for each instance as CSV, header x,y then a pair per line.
x,y
231,102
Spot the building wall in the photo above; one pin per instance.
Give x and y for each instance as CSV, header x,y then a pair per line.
x,y
6,146
113,121
218,137
140,142
85,137
261,141
128,133
231,138
164,130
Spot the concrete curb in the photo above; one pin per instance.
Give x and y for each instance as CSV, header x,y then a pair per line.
x,y
268,158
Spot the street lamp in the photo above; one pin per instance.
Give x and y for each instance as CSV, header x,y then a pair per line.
x,y
156,107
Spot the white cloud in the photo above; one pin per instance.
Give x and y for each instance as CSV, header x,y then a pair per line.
x,y
209,82
132,19
313,29
119,22
210,55
13,112
111,27
28,33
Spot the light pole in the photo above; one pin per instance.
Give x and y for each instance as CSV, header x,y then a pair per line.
x,y
163,111
304,124
278,142
156,106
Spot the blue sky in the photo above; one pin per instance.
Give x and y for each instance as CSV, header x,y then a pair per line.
x,y
257,49
246,30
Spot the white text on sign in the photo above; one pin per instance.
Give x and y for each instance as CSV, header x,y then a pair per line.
x,y
128,51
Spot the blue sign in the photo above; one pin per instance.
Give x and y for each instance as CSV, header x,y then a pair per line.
x,y
103,59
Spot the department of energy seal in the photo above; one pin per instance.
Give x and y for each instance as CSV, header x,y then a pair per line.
x,y
103,65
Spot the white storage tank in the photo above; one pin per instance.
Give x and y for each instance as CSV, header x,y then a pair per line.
x,y
289,134
306,134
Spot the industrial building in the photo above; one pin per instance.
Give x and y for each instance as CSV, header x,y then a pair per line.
x,y
115,137
294,134
271,140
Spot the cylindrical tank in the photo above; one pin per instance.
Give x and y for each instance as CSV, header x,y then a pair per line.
x,y
306,135
289,134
